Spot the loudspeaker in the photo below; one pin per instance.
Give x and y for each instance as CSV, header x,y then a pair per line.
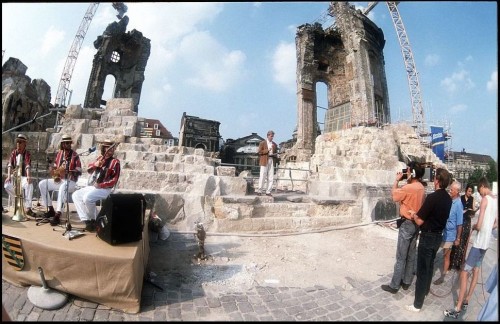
x,y
121,218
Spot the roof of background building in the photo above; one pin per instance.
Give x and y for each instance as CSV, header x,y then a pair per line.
x,y
478,158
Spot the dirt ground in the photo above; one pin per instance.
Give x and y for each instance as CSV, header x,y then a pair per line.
x,y
235,262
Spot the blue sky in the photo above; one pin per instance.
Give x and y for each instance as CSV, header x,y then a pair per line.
x,y
235,62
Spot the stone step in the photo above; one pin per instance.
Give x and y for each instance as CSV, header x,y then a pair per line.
x,y
280,224
163,166
251,214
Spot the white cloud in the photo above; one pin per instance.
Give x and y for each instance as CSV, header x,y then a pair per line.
x,y
168,24
285,65
431,60
210,64
51,39
458,82
492,84
458,108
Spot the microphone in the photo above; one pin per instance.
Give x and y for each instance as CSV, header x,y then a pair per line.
x,y
92,149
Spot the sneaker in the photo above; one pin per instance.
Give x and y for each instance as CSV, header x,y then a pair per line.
x,y
412,308
90,225
269,194
405,286
439,281
389,289
465,305
56,220
29,212
451,313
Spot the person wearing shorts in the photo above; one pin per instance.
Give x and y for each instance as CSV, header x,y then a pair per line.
x,y
487,221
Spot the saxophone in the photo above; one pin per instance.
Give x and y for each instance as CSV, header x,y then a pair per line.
x,y
19,215
59,172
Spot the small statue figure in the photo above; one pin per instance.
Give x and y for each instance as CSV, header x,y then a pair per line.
x,y
200,239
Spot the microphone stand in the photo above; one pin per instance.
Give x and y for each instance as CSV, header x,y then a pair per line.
x,y
69,232
66,176
43,220
37,174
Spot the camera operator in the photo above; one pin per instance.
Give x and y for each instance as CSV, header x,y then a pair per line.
x,y
410,197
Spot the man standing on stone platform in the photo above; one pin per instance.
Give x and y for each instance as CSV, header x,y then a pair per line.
x,y
268,151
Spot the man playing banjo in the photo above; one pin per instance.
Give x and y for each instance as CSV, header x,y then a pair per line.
x,y
105,172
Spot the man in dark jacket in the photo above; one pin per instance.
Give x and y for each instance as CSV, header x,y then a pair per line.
x,y
431,218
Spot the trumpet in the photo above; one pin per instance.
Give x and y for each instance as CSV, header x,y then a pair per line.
x,y
19,215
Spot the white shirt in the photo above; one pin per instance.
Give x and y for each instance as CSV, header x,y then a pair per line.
x,y
270,147
483,237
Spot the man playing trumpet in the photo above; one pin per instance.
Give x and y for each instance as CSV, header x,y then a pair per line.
x,y
26,180
104,175
66,160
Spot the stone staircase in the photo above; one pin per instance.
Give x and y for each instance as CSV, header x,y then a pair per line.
x,y
187,186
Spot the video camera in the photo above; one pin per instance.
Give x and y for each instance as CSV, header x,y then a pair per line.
x,y
428,173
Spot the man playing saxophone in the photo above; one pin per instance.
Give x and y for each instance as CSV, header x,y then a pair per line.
x,y
26,180
65,158
105,172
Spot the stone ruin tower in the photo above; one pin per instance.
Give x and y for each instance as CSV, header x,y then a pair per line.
x,y
123,55
348,58
22,98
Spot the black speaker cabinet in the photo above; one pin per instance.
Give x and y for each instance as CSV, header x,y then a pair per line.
x,y
121,218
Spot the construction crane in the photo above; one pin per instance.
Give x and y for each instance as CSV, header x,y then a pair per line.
x,y
60,101
411,69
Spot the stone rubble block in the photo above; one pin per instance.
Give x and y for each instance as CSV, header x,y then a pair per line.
x,y
232,186
196,168
232,211
225,171
199,152
164,167
281,210
120,107
152,180
338,190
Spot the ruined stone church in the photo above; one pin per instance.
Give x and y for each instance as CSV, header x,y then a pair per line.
x,y
340,177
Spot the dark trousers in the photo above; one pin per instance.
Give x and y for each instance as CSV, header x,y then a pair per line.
x,y
427,249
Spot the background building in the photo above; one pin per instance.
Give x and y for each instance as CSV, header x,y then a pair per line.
x,y
199,133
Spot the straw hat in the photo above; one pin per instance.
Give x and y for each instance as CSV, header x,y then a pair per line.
x,y
107,143
21,138
66,138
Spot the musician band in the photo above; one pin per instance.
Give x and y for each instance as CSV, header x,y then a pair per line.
x,y
65,171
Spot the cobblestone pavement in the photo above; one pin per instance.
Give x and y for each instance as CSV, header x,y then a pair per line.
x,y
362,301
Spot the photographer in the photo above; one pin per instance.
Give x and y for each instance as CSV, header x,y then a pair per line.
x,y
410,197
